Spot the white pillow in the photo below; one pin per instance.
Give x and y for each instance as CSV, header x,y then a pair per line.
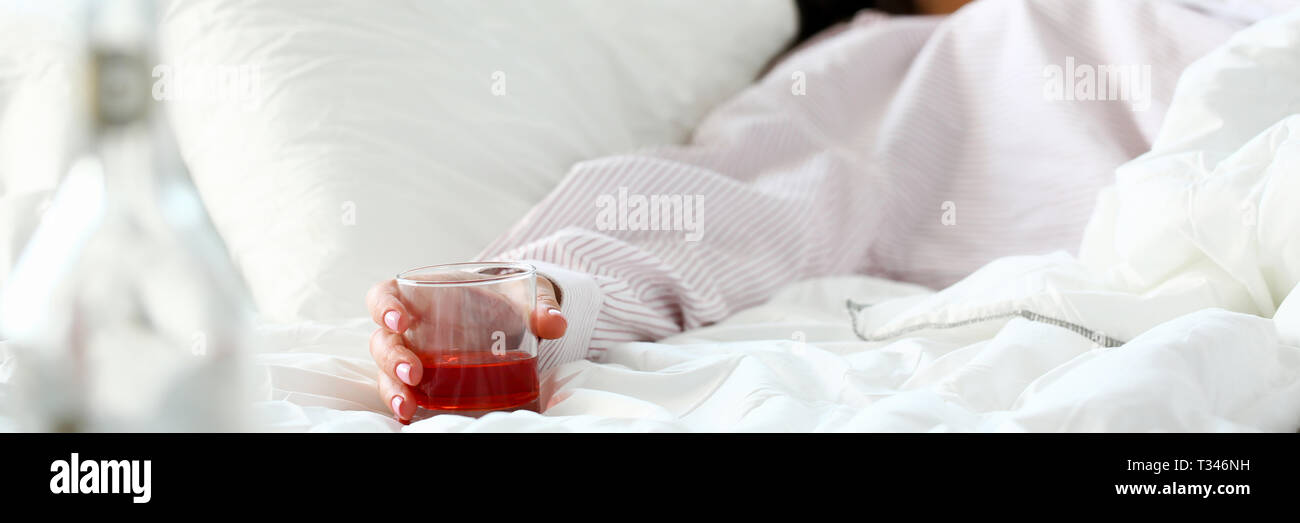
x,y
355,139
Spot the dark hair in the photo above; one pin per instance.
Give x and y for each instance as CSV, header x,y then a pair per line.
x,y
815,15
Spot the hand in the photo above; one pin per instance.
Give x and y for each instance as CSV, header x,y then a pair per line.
x,y
400,368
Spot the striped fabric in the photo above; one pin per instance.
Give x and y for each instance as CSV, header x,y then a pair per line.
x,y
916,149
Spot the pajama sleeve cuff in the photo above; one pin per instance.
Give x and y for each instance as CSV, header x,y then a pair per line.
x,y
580,301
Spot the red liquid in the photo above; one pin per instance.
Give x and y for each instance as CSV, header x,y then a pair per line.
x,y
477,380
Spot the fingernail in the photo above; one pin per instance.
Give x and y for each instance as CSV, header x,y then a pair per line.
x,y
390,319
554,311
397,405
404,373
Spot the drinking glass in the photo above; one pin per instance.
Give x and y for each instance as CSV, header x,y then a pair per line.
x,y
470,329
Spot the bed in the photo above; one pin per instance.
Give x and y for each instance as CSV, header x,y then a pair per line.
x,y
1176,314
1174,310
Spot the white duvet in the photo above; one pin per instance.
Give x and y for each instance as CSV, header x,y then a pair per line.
x,y
1178,315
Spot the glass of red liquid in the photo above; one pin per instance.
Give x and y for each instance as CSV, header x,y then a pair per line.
x,y
470,329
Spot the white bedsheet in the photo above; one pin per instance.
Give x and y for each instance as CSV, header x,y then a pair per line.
x,y
796,365
1178,315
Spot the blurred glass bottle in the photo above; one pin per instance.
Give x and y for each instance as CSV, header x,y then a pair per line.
x,y
125,312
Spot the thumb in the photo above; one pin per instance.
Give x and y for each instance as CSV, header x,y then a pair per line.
x,y
548,321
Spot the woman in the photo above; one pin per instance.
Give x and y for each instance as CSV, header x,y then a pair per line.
x,y
915,148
